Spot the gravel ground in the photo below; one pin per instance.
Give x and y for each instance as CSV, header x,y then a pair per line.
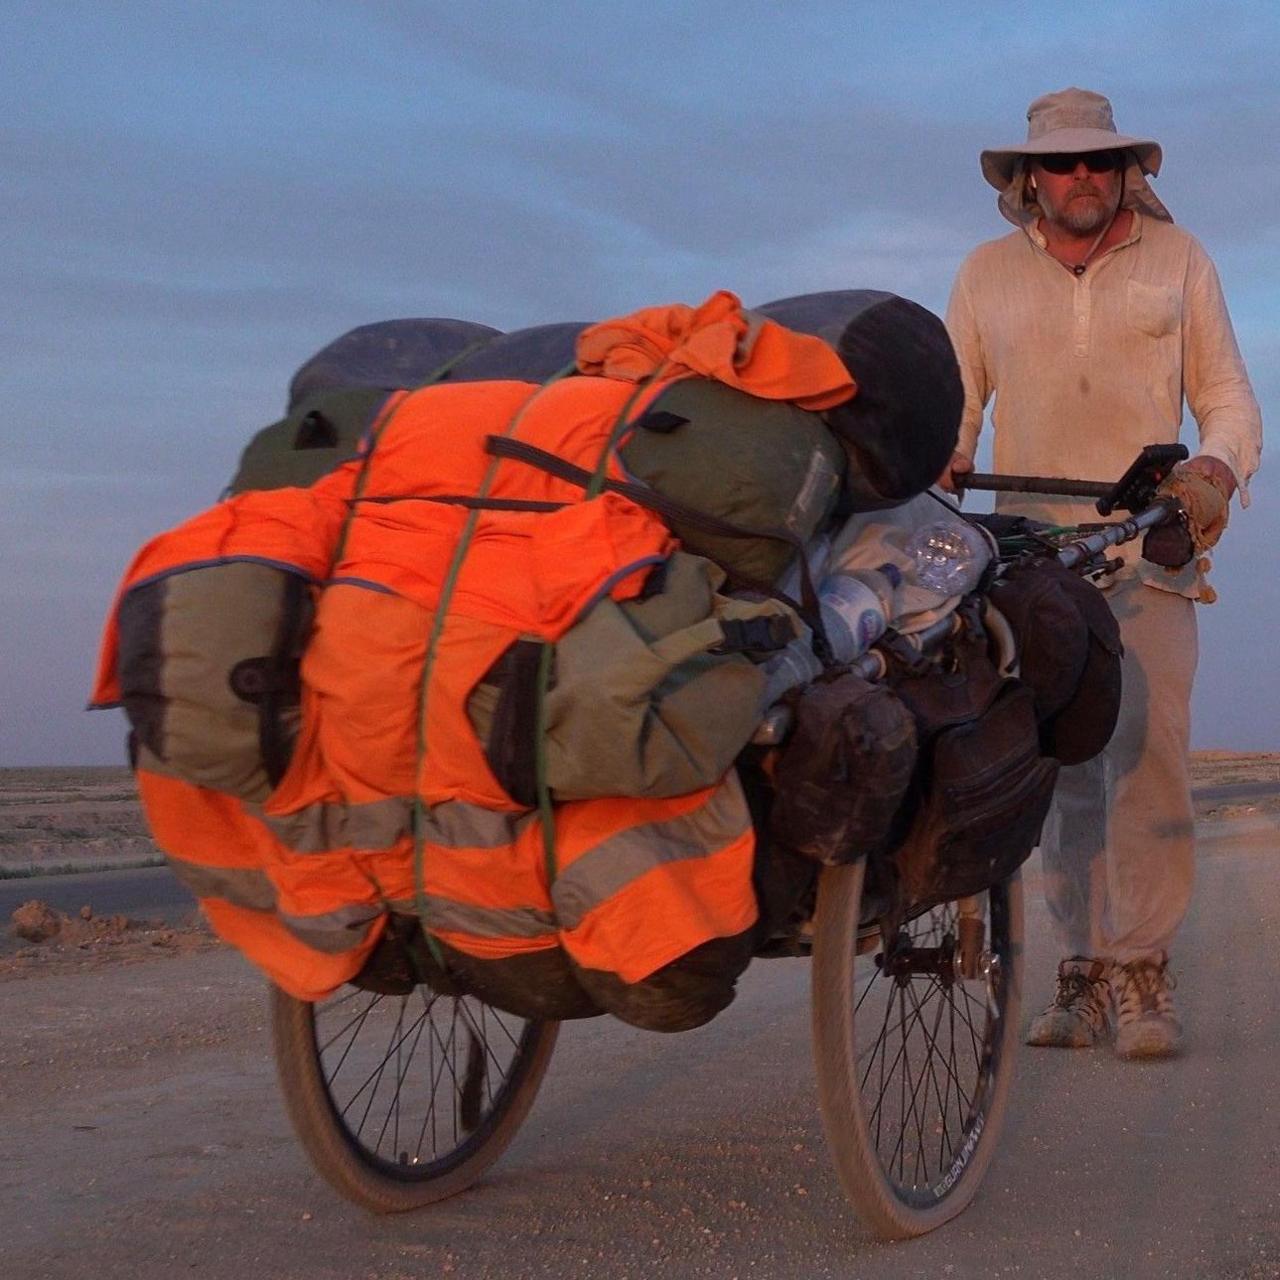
x,y
145,1138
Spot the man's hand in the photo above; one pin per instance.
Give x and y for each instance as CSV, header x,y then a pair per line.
x,y
1215,471
1203,486
958,466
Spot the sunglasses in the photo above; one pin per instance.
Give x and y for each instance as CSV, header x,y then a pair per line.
x,y
1094,161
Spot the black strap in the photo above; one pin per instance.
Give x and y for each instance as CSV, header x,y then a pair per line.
x,y
272,683
752,636
473,504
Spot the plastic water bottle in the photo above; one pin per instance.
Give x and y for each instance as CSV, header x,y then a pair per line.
x,y
857,605
949,558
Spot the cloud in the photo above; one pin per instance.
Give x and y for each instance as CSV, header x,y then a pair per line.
x,y
198,198
41,482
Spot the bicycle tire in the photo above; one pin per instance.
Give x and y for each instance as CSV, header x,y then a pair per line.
x,y
896,1201
365,1169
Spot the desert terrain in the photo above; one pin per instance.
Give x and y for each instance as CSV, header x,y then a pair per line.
x,y
58,820
145,1136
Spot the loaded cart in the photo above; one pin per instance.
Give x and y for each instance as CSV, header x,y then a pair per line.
x,y
504,688
404,1099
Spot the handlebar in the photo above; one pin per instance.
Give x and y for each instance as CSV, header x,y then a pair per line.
x,y
1134,491
1084,548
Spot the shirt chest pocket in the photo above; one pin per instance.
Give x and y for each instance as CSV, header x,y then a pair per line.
x,y
1153,309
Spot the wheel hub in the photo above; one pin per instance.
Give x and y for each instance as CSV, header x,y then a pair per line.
x,y
902,961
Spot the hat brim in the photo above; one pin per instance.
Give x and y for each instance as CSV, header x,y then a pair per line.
x,y
998,164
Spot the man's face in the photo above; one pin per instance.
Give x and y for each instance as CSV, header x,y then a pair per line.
x,y
1079,193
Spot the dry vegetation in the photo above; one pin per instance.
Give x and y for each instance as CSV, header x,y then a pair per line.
x,y
69,819
80,819
1224,768
87,819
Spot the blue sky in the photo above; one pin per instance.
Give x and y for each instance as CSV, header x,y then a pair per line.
x,y
196,197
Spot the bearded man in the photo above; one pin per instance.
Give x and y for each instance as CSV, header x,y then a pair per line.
x,y
1089,324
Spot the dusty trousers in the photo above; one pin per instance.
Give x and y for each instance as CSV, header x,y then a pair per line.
x,y
1118,845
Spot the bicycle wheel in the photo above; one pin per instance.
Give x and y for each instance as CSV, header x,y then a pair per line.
x,y
914,1058
402,1100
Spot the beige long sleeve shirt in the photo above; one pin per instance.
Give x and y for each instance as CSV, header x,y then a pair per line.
x,y
1087,369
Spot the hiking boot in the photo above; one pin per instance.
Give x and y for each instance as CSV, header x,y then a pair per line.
x,y
1146,1025
1077,1016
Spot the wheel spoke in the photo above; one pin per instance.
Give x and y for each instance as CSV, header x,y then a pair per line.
x,y
401,1073
378,1072
355,1025
479,1031
402,1100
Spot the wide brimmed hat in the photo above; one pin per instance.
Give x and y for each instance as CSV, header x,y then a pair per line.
x,y
1069,122
1064,123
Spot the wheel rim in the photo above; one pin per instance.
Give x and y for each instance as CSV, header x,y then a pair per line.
x,y
928,1047
417,1082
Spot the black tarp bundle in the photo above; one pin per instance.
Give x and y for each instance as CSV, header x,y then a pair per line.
x,y
389,355
395,354
901,427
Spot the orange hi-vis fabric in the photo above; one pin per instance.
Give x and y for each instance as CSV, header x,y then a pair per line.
x,y
718,340
424,562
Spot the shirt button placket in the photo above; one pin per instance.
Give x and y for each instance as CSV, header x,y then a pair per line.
x,y
1082,308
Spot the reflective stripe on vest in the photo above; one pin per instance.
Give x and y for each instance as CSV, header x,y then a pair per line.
x,y
378,824
320,828
304,972
483,894
615,862
446,915
241,887
455,824
337,931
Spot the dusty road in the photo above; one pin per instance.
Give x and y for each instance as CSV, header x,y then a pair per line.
x,y
148,892
143,1136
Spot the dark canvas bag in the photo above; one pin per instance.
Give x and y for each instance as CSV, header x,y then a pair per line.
x,y
318,435
1069,654
843,774
982,789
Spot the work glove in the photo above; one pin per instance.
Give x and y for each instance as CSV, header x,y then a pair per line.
x,y
1203,502
1169,545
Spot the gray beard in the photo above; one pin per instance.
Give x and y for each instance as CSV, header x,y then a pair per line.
x,y
1083,218
1086,221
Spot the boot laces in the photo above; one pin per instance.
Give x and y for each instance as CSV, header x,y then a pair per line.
x,y
1083,991
1145,986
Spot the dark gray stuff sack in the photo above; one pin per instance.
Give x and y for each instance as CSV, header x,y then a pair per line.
x,y
524,355
390,354
765,466
901,427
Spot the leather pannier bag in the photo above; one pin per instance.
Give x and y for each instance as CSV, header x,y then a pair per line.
x,y
982,788
844,772
1069,654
